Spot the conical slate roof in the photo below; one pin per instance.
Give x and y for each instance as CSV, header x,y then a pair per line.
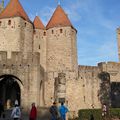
x,y
14,9
59,18
38,23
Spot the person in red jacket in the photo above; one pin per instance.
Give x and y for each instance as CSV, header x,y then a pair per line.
x,y
33,112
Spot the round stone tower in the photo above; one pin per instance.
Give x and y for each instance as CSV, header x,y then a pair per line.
x,y
61,43
15,29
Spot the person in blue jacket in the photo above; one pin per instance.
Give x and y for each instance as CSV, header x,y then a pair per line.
x,y
63,110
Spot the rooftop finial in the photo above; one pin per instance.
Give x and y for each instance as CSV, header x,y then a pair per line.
x,y
59,2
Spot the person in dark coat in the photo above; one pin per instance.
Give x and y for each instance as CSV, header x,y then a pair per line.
x,y
1,108
54,112
33,112
91,117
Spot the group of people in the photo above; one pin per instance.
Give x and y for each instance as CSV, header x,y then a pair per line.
x,y
16,112
56,113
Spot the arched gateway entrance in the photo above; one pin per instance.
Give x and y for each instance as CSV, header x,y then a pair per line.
x,y
9,89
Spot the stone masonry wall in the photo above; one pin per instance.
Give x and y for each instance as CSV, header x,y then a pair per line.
x,y
59,49
18,33
39,45
74,50
113,68
29,72
26,34
82,93
10,34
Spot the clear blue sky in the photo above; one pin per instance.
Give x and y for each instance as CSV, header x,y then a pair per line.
x,y
95,20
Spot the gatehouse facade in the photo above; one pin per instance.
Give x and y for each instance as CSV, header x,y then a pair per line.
x,y
39,63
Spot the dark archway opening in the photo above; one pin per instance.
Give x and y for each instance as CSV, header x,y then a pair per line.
x,y
9,90
115,94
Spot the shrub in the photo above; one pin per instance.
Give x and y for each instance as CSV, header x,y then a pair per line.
x,y
115,112
85,113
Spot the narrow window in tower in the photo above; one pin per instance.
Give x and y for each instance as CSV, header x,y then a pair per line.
x,y
9,22
34,32
61,31
44,33
25,24
0,23
52,31
84,98
39,46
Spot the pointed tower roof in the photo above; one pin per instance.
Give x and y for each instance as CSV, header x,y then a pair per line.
x,y
38,23
14,9
59,18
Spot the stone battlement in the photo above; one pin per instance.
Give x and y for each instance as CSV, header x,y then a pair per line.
x,y
18,58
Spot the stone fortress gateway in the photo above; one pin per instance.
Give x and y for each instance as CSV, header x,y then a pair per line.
x,y
39,64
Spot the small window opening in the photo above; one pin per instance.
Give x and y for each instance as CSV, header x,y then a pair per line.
x,y
61,31
84,98
52,31
25,24
34,31
39,46
44,33
9,22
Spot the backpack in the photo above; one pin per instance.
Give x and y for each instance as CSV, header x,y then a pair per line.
x,y
17,112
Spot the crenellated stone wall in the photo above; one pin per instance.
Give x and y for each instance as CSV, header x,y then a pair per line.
x,y
113,68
